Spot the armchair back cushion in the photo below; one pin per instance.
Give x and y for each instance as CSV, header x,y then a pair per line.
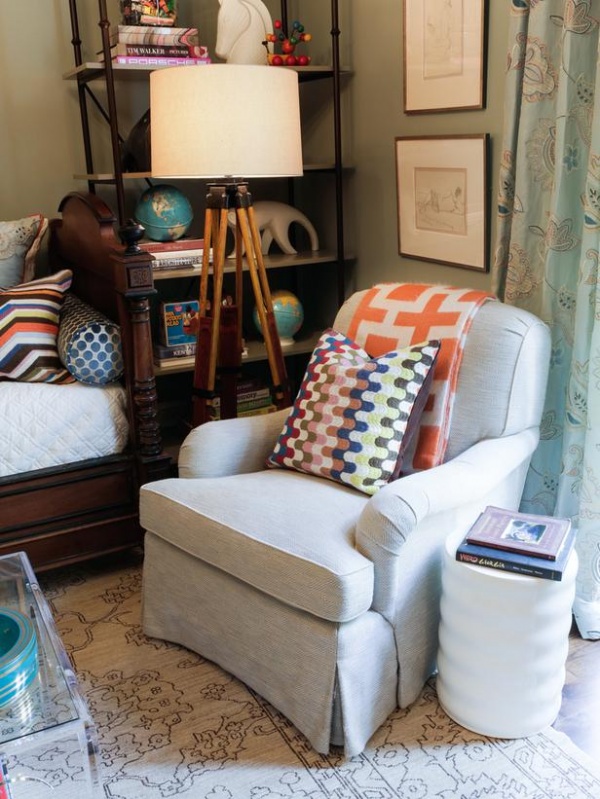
x,y
505,358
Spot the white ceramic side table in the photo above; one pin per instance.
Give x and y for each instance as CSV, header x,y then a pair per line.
x,y
503,646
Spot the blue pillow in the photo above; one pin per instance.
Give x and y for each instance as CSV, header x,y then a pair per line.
x,y
89,343
19,244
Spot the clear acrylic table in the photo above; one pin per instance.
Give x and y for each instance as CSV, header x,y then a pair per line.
x,y
48,744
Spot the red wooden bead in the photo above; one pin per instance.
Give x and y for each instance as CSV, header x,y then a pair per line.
x,y
303,60
277,61
291,61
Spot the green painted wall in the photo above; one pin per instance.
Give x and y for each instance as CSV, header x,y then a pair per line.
x,y
40,128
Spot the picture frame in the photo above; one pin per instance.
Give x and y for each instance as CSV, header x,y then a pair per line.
x,y
444,55
442,199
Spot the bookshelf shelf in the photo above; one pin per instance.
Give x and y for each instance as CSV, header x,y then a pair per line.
x,y
271,262
100,83
256,353
94,70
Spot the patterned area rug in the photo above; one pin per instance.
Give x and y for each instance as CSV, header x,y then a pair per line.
x,y
173,724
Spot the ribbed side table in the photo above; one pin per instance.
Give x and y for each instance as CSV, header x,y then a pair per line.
x,y
504,640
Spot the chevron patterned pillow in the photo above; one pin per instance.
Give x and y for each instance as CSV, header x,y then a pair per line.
x,y
29,319
350,419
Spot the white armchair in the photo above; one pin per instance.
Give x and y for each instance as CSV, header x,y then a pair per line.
x,y
322,599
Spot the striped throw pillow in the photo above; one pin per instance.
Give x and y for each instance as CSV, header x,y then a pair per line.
x,y
353,416
29,320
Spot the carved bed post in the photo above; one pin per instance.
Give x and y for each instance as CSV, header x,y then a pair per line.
x,y
137,286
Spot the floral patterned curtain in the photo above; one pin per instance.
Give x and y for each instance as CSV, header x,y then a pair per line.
x,y
548,251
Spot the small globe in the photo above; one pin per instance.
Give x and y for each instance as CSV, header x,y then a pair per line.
x,y
165,212
288,313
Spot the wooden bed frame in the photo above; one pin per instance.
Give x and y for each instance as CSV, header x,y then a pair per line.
x,y
70,513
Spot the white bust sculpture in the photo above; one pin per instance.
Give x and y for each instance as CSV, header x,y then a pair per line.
x,y
242,27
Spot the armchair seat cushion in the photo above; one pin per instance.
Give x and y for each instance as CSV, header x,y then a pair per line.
x,y
296,544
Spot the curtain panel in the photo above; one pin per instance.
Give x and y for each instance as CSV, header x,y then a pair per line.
x,y
546,258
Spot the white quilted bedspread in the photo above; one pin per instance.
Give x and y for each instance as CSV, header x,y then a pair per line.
x,y
44,425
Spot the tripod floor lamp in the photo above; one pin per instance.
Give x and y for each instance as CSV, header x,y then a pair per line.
x,y
221,122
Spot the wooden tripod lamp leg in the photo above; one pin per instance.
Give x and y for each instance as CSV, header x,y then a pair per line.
x,y
262,294
207,347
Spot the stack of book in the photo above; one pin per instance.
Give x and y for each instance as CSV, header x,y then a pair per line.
x,y
152,45
179,254
524,543
252,398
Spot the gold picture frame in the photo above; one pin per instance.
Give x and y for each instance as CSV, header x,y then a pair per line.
x,y
442,193
444,55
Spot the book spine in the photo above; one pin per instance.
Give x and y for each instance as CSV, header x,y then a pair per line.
x,y
171,50
249,399
259,411
159,61
151,34
191,246
177,262
163,352
157,19
509,566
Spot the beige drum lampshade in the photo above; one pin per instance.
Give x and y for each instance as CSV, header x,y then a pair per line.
x,y
225,120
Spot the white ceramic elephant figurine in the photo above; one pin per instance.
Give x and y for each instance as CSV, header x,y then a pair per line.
x,y
273,220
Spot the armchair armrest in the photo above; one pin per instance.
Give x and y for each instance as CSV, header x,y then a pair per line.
x,y
466,481
230,446
402,530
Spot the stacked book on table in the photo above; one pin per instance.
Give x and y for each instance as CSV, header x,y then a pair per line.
x,y
525,543
153,45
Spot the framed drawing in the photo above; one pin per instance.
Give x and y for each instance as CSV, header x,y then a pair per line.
x,y
442,191
444,55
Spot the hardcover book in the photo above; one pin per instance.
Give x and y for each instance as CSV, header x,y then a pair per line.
x,y
165,353
177,262
156,247
154,34
176,50
179,322
524,533
159,61
508,561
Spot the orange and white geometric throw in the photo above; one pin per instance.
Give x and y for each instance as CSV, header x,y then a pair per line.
x,y
393,315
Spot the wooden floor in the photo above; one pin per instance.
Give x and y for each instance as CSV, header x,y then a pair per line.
x,y
579,716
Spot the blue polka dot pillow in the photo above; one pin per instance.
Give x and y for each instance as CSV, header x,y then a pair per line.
x,y
89,344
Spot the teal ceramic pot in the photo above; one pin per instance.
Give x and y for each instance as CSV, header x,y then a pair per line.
x,y
18,654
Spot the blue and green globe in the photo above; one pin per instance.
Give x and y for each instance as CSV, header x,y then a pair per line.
x,y
165,212
288,313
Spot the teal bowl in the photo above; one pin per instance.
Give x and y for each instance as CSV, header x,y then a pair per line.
x,y
18,654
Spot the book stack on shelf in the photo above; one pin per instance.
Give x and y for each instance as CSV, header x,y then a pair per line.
x,y
179,254
153,45
525,543
252,398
